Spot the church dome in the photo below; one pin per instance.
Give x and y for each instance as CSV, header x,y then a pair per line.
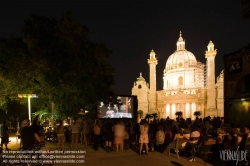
x,y
140,78
181,55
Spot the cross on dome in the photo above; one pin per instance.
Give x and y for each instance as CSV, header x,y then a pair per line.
x,y
180,43
140,78
180,55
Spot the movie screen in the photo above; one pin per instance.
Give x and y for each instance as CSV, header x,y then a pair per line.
x,y
124,108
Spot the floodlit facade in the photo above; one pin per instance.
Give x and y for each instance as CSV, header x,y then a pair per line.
x,y
188,85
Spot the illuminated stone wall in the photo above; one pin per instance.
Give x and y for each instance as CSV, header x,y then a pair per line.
x,y
141,90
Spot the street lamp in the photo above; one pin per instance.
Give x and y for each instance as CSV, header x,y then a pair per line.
x,y
11,119
17,120
28,96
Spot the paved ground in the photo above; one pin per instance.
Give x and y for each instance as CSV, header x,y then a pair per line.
x,y
127,158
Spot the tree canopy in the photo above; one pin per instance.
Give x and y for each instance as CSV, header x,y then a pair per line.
x,y
55,60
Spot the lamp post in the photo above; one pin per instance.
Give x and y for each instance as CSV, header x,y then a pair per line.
x,y
28,96
17,120
11,119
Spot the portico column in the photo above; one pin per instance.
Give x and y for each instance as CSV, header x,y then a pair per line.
x,y
184,110
190,110
202,110
164,112
161,113
174,111
170,111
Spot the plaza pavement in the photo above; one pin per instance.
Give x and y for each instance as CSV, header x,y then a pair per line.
x,y
126,158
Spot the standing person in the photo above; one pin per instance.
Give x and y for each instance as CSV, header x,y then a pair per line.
x,y
28,135
60,136
81,137
119,133
132,132
151,131
97,133
222,122
67,134
108,134
144,136
137,132
86,132
74,134
41,131
151,134
35,126
4,133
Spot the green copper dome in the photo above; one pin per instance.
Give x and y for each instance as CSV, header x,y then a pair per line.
x,y
140,78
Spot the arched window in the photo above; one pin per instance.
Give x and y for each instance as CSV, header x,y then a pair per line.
x,y
180,80
139,86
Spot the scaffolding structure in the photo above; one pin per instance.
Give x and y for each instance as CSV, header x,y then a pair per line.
x,y
205,76
196,71
200,76
199,70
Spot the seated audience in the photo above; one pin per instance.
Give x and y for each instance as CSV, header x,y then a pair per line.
x,y
168,135
243,133
186,134
160,138
236,138
179,134
195,134
221,134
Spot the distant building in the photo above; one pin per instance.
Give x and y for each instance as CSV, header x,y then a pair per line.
x,y
188,85
237,86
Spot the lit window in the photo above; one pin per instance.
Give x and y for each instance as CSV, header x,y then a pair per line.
x,y
180,80
180,64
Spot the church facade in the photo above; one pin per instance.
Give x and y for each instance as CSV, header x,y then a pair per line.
x,y
188,86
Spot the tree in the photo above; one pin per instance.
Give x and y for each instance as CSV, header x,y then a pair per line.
x,y
246,9
197,113
154,115
56,60
148,116
178,114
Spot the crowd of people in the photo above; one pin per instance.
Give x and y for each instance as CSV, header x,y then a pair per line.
x,y
150,136
156,135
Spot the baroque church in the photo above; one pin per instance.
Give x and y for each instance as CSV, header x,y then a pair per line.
x,y
188,86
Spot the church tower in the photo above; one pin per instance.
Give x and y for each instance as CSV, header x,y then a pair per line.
x,y
141,90
211,93
152,61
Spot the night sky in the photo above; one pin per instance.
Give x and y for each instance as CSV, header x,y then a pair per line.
x,y
132,28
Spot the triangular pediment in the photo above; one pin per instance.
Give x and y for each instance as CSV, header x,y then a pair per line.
x,y
180,95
